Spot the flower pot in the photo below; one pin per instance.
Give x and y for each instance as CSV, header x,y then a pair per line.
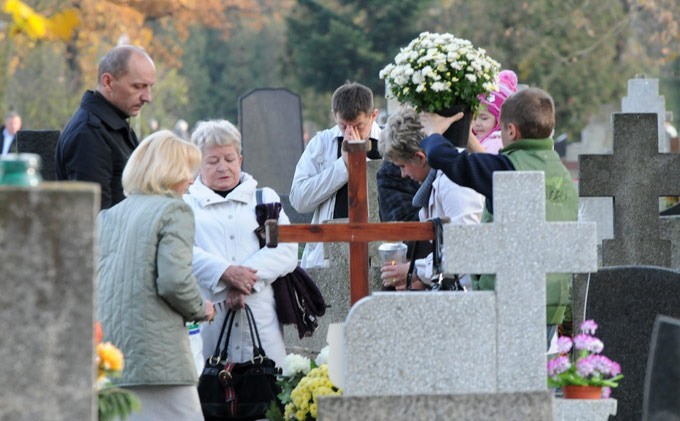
x,y
582,392
459,131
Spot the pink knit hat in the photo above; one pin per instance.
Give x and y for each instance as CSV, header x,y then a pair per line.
x,y
507,85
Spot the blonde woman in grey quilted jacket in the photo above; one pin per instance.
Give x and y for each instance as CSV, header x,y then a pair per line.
x,y
146,288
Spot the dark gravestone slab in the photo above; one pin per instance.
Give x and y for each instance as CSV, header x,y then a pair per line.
x,y
625,301
662,385
43,143
270,121
635,175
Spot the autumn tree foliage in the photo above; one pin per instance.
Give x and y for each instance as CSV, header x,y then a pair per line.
x,y
159,26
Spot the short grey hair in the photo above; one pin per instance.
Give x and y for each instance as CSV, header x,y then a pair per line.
x,y
212,133
116,61
400,139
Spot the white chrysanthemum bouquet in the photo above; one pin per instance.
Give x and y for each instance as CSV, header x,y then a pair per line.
x,y
437,71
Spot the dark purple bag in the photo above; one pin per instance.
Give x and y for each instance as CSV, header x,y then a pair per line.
x,y
298,300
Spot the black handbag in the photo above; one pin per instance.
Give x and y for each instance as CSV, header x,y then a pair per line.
x,y
441,283
238,391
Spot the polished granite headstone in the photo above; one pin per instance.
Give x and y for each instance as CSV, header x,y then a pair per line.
x,y
42,143
635,175
625,301
662,384
270,121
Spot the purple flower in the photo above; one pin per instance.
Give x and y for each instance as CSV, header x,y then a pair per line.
x,y
558,366
606,392
564,344
589,343
585,366
614,368
589,326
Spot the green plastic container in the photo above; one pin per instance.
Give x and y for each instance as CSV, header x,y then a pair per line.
x,y
21,170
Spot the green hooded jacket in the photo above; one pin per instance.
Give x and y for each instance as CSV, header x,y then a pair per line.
x,y
561,205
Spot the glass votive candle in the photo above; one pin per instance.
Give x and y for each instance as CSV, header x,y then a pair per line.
x,y
392,253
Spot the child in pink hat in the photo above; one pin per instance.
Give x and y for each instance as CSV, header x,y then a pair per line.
x,y
486,125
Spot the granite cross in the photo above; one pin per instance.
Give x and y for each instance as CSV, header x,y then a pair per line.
x,y
358,232
635,175
520,247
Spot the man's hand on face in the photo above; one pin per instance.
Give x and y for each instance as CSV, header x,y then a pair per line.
x,y
351,133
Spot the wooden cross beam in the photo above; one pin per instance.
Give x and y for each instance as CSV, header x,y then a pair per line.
x,y
358,232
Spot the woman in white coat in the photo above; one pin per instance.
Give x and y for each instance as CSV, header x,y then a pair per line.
x,y
231,268
438,196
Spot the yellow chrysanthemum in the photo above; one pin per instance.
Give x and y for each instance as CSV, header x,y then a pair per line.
x,y
305,395
301,415
288,413
110,357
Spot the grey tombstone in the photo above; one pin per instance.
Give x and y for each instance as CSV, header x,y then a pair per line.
x,y
43,143
625,301
643,97
47,244
498,339
419,343
520,247
670,230
270,121
635,175
477,406
438,355
662,382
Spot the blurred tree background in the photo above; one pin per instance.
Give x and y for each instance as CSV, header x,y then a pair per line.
x,y
210,52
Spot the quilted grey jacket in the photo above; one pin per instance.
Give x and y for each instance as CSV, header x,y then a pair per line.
x,y
146,288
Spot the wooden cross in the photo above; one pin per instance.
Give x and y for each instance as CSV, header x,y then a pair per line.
x,y
358,232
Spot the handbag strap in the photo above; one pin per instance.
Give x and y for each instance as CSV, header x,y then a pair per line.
x,y
411,266
436,252
437,246
226,322
258,351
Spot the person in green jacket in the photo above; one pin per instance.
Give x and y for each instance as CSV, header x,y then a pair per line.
x,y
527,123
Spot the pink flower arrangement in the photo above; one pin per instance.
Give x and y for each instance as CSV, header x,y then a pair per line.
x,y
590,368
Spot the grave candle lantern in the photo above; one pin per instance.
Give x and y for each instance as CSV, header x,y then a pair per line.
x,y
392,253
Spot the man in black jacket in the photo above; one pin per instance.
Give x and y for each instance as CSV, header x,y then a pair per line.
x,y
97,142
